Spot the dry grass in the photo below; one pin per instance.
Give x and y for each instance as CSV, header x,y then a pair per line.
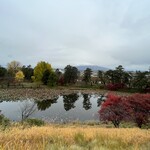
x,y
74,137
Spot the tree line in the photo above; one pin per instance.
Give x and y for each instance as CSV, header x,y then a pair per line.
x,y
44,73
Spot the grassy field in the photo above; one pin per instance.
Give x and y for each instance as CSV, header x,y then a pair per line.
x,y
72,137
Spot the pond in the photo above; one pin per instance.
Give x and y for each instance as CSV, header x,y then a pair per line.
x,y
66,108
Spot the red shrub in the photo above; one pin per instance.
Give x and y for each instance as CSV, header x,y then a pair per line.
x,y
115,109
140,105
135,108
115,86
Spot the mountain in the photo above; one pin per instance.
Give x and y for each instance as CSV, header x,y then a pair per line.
x,y
93,67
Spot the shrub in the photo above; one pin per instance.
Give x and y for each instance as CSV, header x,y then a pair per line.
x,y
114,109
135,108
140,105
4,121
115,86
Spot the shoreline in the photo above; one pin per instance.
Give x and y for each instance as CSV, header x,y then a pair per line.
x,y
41,94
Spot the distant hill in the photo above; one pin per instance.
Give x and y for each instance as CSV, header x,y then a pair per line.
x,y
93,67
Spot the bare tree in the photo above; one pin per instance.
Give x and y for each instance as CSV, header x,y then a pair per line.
x,y
13,67
27,109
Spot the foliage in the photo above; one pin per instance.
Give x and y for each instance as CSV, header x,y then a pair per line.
x,y
141,80
39,70
58,73
101,75
32,78
87,75
134,108
117,79
61,81
119,74
49,78
52,79
140,104
28,72
3,71
4,121
35,122
19,76
45,77
13,67
115,86
114,109
70,75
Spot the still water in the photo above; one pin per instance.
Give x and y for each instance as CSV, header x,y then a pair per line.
x,y
66,108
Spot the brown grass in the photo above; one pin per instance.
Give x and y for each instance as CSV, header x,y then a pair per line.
x,y
74,137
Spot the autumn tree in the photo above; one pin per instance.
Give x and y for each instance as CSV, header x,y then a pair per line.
x,y
70,75
39,70
134,108
19,76
140,105
115,109
87,75
13,67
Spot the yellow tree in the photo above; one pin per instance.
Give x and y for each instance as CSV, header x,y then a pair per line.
x,y
39,70
19,76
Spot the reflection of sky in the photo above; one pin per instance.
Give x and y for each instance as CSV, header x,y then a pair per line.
x,y
55,112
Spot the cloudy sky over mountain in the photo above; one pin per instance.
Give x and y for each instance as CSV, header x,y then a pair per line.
x,y
93,32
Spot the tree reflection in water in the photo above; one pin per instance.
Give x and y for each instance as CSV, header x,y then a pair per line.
x,y
69,101
43,105
100,100
86,102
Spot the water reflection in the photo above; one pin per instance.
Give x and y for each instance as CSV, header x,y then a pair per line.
x,y
69,101
86,102
100,100
43,105
63,108
27,109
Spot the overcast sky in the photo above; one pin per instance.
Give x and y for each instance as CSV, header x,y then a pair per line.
x,y
76,32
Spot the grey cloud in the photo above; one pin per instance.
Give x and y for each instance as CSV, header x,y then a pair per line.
x,y
98,32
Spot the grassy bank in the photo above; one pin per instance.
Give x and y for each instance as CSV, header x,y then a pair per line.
x,y
56,137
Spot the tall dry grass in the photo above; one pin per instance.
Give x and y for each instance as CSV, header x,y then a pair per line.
x,y
74,138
